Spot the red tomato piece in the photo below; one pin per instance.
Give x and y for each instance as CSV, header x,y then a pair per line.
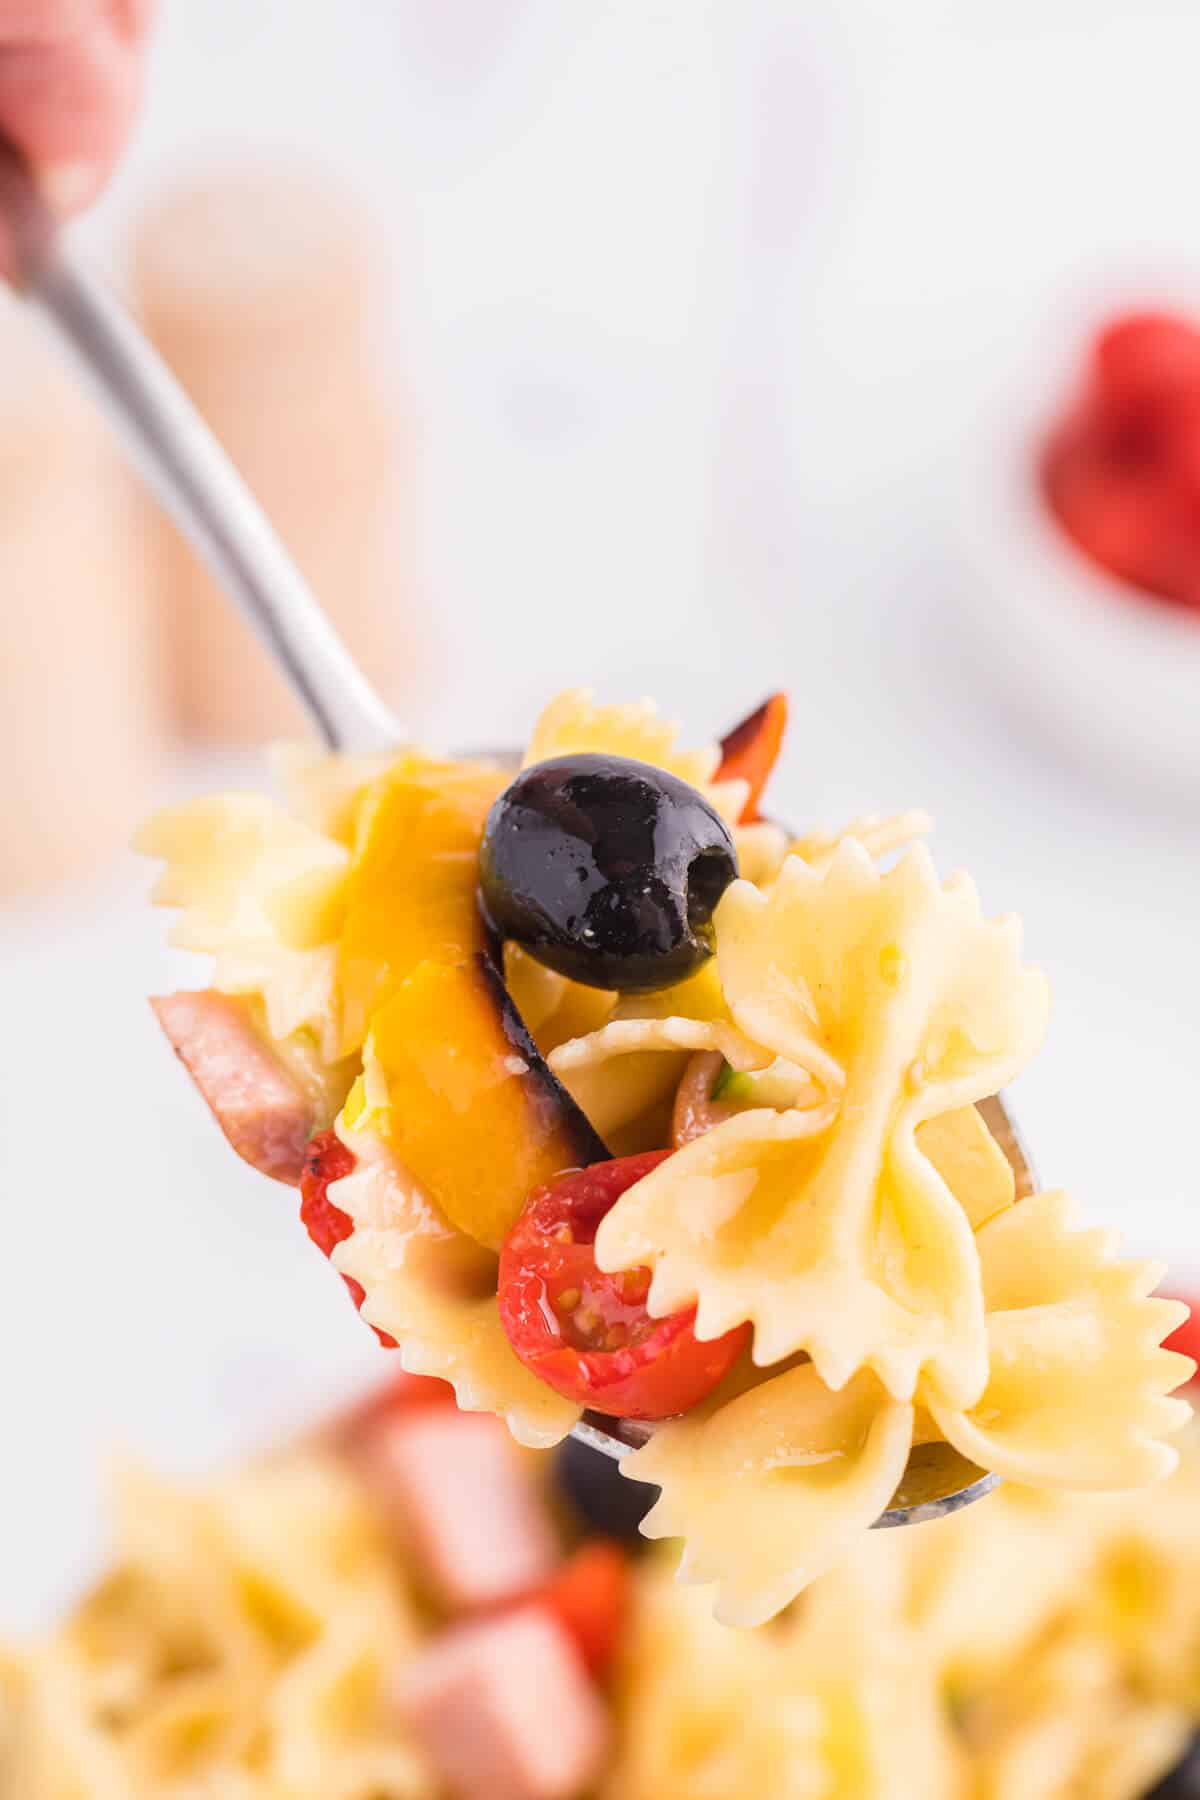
x,y
751,750
586,1334
589,1596
1186,1337
327,1161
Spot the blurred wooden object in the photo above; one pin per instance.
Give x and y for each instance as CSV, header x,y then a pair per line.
x,y
80,724
256,284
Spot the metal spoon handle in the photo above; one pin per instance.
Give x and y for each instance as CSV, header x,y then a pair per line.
x,y
197,484
186,468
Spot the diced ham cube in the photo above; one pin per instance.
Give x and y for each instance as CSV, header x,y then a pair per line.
x,y
257,1102
453,1486
505,1711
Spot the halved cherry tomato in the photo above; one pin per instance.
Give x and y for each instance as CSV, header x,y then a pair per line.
x,y
327,1160
586,1334
751,750
1186,1337
589,1596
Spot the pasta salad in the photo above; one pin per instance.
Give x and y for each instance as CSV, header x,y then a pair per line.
x,y
340,1621
604,1092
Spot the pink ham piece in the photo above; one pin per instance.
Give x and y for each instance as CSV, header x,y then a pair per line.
x,y
695,1110
259,1105
452,1486
505,1711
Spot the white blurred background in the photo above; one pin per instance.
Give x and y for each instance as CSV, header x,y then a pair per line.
x,y
699,323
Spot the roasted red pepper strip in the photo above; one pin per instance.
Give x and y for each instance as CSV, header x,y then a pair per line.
x,y
328,1160
752,749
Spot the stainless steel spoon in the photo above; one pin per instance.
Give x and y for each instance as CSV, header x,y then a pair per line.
x,y
198,486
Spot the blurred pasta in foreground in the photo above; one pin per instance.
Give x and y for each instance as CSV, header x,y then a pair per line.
x,y
339,1621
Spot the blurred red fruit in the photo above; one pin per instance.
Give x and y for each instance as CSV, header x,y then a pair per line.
x,y
1149,353
1121,471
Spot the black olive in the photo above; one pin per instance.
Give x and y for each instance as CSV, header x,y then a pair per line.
x,y
1183,1782
607,870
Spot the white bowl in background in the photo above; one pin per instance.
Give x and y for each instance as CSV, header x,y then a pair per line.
x,y
1112,675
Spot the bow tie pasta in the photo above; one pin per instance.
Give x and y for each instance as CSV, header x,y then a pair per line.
x,y
573,724
1078,1384
769,1488
837,1236
699,1134
432,1289
260,1635
1077,1397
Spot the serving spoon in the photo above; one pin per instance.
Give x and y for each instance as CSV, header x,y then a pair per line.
x,y
198,486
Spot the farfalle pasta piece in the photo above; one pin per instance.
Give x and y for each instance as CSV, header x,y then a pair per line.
x,y
243,1647
707,1710
263,895
173,1541
1078,1384
984,1587
244,872
554,1008
298,989
573,725
624,1074
894,981
433,1289
762,848
806,1711
58,1744
852,1649
331,1727
1073,1725
323,789
768,1488
878,833
630,1065
845,1241
727,1224
297,1578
